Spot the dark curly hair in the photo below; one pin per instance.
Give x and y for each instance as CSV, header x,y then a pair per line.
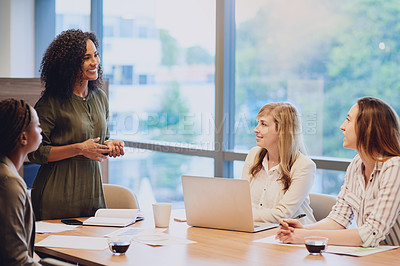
x,y
62,63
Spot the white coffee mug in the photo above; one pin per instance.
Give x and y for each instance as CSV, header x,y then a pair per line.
x,y
162,214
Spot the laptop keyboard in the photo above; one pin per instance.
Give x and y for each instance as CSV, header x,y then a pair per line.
x,y
257,225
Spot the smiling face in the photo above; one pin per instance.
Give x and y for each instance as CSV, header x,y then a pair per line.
x,y
267,136
91,62
349,129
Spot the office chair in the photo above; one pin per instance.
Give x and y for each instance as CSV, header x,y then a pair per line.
x,y
119,197
55,262
321,204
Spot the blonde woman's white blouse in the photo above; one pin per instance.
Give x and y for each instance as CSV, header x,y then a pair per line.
x,y
270,202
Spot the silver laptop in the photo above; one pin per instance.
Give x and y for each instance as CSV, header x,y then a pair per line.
x,y
220,203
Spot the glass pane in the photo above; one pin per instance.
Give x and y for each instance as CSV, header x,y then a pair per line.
x,y
319,55
72,14
159,60
156,176
326,181
238,169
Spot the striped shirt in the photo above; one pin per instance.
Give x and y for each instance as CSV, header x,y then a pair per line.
x,y
375,206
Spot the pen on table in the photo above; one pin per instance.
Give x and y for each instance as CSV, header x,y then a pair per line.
x,y
301,215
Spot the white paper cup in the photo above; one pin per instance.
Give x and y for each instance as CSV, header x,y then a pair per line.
x,y
162,214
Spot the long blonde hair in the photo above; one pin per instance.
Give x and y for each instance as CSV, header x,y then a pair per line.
x,y
288,124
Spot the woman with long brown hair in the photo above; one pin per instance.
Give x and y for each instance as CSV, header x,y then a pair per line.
x,y
279,172
371,190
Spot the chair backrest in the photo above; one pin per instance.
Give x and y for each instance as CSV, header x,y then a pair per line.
x,y
119,197
54,262
321,204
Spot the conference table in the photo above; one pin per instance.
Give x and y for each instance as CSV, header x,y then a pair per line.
x,y
211,247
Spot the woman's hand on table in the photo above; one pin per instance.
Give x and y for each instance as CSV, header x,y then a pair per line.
x,y
290,231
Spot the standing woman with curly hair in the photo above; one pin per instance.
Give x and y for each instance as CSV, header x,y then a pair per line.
x,y
73,112
279,172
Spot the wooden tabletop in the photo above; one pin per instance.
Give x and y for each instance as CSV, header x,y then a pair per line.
x,y
212,247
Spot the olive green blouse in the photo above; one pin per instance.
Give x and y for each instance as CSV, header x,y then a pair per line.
x,y
71,187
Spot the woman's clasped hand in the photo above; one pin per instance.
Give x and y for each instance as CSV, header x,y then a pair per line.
x,y
116,147
93,150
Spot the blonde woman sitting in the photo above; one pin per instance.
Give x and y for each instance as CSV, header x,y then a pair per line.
x,y
280,174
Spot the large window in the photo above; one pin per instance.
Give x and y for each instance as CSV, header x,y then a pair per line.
x,y
186,83
159,69
319,55
156,176
159,61
72,14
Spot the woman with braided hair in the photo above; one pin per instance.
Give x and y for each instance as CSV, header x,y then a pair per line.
x,y
20,134
73,112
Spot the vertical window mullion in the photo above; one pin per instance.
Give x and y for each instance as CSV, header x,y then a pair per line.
x,y
219,87
229,84
224,85
45,28
96,21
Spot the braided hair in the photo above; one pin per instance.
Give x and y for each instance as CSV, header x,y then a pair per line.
x,y
15,117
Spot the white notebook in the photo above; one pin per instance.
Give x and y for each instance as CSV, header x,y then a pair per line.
x,y
112,217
